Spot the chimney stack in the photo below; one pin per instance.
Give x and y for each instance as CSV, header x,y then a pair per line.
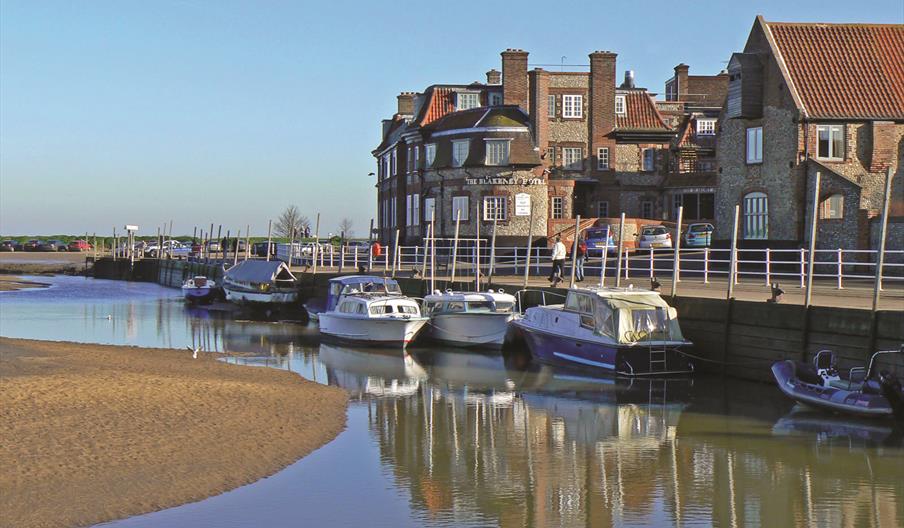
x,y
406,103
494,76
602,103
539,109
514,78
681,79
629,80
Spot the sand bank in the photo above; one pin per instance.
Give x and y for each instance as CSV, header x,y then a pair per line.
x,y
8,283
91,433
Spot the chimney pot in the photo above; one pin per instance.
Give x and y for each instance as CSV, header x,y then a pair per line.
x,y
406,103
494,76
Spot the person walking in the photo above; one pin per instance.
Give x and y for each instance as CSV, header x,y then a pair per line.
x,y
558,262
579,261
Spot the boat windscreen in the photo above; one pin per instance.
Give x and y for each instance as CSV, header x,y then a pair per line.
x,y
480,306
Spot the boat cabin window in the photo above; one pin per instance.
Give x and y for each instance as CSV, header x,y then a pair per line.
x,y
480,306
348,307
430,307
649,325
455,306
504,306
361,309
407,309
381,309
582,304
335,288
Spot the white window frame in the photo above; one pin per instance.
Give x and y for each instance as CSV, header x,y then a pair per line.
x,y
497,152
467,100
551,105
832,207
602,206
602,158
576,163
495,99
621,107
706,127
648,159
429,154
644,205
393,163
557,207
832,130
572,106
459,158
461,203
498,205
756,216
754,145
417,154
409,161
429,209
413,210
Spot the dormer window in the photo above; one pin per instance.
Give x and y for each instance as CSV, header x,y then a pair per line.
x,y
706,127
620,107
460,150
467,100
830,142
495,99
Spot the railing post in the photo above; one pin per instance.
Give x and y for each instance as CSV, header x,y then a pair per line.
x,y
840,268
768,267
652,252
803,267
627,264
676,261
706,265
331,253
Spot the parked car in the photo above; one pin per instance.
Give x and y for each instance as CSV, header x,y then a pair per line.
x,y
79,245
10,245
357,246
598,238
32,245
653,237
170,247
213,245
53,245
699,235
259,249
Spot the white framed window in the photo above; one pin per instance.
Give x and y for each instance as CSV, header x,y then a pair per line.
x,y
393,212
602,209
706,127
460,150
572,106
551,105
386,171
832,207
429,154
756,216
460,204
497,151
494,207
558,207
620,107
572,158
416,154
409,162
467,100
830,142
677,201
495,99
392,163
755,145
602,158
649,159
412,210
429,209
551,155
646,209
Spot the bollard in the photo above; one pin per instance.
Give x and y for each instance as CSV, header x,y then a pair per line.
x,y
768,268
706,265
652,251
840,268
803,267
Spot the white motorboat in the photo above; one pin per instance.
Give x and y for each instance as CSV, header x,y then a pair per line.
x,y
199,289
373,319
261,282
470,319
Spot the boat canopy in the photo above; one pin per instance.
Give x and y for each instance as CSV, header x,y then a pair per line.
x,y
259,272
349,284
625,316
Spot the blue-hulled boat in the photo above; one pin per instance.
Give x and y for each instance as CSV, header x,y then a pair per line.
x,y
622,330
821,386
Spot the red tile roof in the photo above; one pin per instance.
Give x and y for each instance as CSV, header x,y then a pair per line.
x,y
641,112
844,70
439,102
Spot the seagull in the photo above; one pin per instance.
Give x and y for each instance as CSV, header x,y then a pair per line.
x,y
194,351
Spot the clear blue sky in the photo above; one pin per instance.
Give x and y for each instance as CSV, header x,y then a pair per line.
x,y
115,112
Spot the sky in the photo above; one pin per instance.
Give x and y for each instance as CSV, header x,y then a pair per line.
x,y
116,112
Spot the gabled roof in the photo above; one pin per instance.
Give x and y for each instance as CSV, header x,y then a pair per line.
x,y
258,271
439,100
398,127
494,116
687,134
641,113
853,71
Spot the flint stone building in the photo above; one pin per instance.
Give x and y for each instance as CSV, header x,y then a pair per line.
x,y
808,98
531,149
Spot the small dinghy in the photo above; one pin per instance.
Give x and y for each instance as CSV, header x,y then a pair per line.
x,y
199,289
862,393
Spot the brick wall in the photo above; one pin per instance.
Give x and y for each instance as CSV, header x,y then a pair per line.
x,y
514,78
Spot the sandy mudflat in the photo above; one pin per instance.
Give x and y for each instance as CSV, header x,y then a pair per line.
x,y
8,283
91,433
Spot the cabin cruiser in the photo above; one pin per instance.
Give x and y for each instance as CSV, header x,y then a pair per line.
x,y
373,318
622,330
260,281
469,319
199,289
350,284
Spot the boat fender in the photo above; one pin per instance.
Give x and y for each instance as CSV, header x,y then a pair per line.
x,y
891,389
500,290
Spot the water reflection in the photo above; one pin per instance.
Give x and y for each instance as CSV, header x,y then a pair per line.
x,y
448,437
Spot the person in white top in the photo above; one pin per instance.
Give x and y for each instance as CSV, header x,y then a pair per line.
x,y
558,262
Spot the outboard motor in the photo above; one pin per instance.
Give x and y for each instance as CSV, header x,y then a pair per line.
x,y
890,387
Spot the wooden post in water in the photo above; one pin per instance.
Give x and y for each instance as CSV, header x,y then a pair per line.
x,y
880,261
395,253
341,250
115,245
621,250
170,251
247,241
235,251
269,237
370,243
676,261
477,248
733,262
492,253
432,249
455,247
530,240
316,247
574,248
812,247
219,239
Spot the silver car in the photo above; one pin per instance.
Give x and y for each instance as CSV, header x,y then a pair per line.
x,y
654,237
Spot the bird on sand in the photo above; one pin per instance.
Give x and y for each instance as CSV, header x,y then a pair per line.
x,y
194,351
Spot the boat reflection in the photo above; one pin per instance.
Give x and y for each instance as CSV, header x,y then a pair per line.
x,y
838,431
374,373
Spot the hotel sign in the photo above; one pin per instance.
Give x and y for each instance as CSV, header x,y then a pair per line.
x,y
522,204
504,181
